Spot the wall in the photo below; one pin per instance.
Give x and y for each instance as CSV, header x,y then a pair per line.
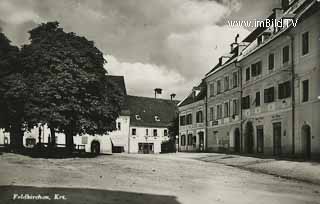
x,y
141,137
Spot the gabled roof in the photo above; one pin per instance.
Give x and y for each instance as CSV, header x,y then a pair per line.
x,y
192,97
118,81
147,108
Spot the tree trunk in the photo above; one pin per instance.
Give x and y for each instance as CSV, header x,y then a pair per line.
x,y
16,136
69,140
53,137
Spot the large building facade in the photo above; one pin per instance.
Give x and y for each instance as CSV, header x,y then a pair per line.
x,y
192,121
264,96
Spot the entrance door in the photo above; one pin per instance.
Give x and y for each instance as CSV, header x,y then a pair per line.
x,y
201,141
260,139
277,138
306,141
249,137
146,148
237,140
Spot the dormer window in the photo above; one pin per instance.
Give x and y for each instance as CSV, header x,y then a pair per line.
x,y
138,117
157,118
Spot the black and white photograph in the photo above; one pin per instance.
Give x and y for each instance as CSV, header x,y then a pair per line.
x,y
159,101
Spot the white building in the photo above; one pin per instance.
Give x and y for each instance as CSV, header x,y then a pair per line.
x,y
141,127
149,122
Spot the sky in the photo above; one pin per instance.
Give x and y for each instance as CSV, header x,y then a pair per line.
x,y
168,44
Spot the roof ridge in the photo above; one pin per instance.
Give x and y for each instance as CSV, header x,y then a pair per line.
x,y
151,98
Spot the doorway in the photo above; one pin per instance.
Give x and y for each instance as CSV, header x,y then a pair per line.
x,y
249,137
306,141
277,139
237,140
201,141
145,148
260,139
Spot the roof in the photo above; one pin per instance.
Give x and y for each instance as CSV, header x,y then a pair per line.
x,y
302,10
192,97
147,108
118,81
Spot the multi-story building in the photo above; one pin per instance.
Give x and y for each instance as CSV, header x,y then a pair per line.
x,y
150,119
224,104
192,120
280,71
278,74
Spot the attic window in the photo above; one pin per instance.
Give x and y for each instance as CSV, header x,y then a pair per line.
x,y
138,117
157,118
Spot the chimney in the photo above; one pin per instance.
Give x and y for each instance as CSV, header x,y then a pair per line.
x,y
157,91
172,96
285,4
223,59
235,44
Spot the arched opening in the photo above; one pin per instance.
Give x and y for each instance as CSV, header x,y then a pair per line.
x,y
306,141
95,147
248,134
236,140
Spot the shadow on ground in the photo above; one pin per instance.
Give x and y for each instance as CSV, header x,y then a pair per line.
x,y
80,196
49,153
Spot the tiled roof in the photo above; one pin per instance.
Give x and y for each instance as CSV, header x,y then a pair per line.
x,y
147,108
192,98
119,82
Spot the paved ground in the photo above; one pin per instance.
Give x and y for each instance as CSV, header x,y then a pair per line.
x,y
171,178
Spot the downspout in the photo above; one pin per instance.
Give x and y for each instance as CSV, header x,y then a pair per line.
x,y
240,108
206,124
293,77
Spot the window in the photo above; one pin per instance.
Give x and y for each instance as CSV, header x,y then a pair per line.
x,y
305,43
285,54
211,89
258,99
219,88
305,90
235,104
119,126
226,83
182,120
211,114
248,74
147,132
226,109
157,118
269,95
133,131
235,79
271,61
155,132
219,111
183,140
199,117
189,139
246,102
284,90
256,69
165,133
189,119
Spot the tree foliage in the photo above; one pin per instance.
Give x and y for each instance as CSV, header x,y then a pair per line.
x,y
67,84
12,91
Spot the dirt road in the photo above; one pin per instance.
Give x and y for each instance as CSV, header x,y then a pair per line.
x,y
126,178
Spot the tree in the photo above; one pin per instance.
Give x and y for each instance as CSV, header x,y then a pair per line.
x,y
68,87
12,92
